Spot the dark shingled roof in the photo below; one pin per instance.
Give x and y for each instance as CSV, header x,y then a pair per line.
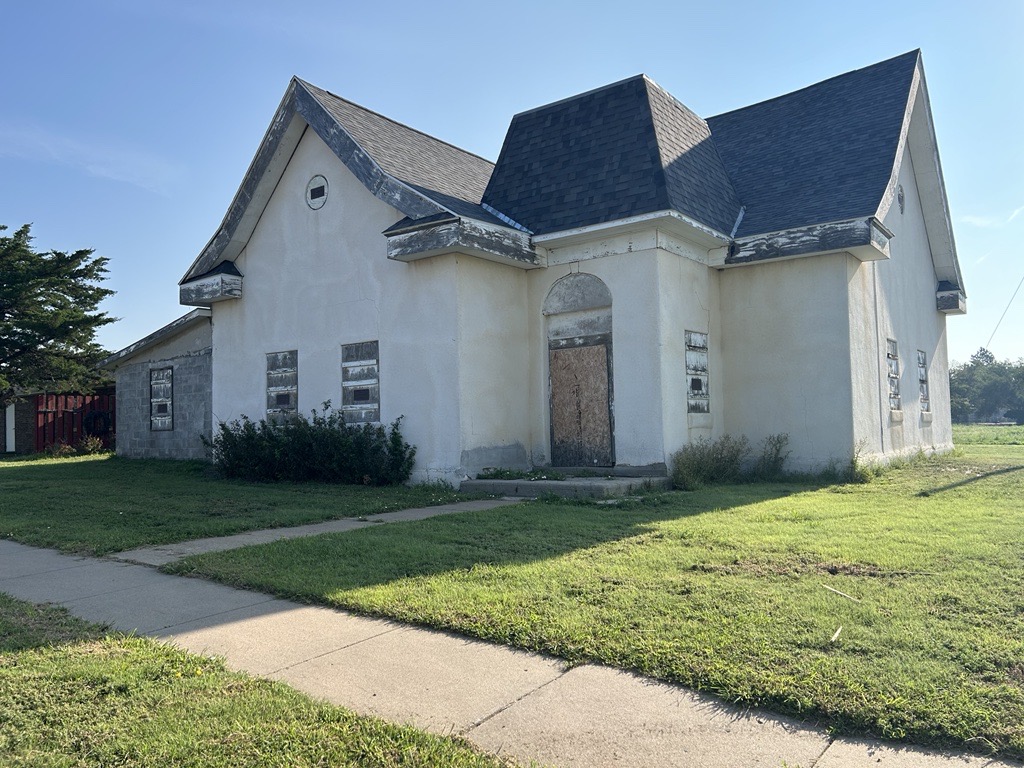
x,y
623,150
820,154
446,174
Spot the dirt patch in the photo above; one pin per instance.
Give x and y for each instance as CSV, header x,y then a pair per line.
x,y
798,568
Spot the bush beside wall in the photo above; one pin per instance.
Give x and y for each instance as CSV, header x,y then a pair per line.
x,y
321,448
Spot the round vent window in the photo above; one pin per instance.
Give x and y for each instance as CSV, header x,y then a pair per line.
x,y
316,192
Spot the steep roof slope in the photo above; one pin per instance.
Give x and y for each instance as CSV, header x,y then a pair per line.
x,y
820,154
623,150
453,177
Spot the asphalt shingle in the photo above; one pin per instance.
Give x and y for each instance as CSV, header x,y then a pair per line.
x,y
820,154
823,153
446,174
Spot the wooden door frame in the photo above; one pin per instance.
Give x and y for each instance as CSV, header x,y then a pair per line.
x,y
602,339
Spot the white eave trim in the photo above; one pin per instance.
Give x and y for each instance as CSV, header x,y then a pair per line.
x,y
682,225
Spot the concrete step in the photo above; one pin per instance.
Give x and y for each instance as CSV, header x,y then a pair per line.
x,y
571,487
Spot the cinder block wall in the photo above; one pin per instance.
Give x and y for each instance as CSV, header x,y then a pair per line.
x,y
192,408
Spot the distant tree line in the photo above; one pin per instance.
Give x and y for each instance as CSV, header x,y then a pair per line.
x,y
986,389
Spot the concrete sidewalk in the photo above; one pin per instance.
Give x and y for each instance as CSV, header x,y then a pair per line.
x,y
168,553
505,701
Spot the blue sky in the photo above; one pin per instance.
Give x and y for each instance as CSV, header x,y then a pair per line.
x,y
126,126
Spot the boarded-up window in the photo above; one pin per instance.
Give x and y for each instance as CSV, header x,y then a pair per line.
x,y
697,395
892,359
161,400
360,382
922,380
282,386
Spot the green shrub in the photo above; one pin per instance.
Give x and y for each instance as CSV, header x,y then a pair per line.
x,y
705,462
89,445
60,450
772,461
321,448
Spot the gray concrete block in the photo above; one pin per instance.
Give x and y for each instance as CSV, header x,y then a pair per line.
x,y
430,679
85,579
17,560
273,636
159,601
595,716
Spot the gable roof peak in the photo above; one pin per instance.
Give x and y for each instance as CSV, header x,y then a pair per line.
x,y
397,123
914,54
819,154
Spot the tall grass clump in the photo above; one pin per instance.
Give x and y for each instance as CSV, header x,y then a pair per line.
x,y
706,462
321,448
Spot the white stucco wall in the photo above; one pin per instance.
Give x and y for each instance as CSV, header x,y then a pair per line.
x,y
688,296
494,365
786,365
315,280
895,299
660,289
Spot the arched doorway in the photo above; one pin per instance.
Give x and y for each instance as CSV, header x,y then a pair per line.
x,y
578,314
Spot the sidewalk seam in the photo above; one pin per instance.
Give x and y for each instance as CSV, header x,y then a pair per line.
x,y
815,761
333,650
512,703
82,564
269,599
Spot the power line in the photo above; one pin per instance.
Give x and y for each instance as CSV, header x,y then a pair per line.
x,y
989,345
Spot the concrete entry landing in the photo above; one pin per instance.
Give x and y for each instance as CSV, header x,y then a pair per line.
x,y
570,487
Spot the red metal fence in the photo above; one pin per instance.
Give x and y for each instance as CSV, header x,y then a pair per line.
x,y
69,418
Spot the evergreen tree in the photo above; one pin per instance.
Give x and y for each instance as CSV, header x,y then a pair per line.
x,y
48,317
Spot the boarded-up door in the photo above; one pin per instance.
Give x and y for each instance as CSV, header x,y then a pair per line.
x,y
581,427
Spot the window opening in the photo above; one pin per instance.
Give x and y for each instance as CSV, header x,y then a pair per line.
x,y
360,382
282,386
922,380
698,398
161,397
893,362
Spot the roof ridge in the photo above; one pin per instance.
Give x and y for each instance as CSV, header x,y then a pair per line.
x,y
657,127
915,52
591,92
393,121
678,103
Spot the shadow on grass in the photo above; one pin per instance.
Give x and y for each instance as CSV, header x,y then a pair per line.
x,y
24,626
968,481
314,569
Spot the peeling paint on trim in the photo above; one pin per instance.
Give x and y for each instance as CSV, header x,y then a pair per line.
x,y
464,236
853,235
951,302
204,291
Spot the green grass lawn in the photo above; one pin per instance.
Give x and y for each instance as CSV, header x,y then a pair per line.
x,y
101,504
72,695
979,434
894,608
